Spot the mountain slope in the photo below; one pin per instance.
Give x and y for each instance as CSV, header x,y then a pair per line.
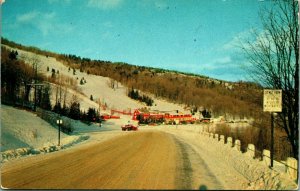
x,y
97,86
240,99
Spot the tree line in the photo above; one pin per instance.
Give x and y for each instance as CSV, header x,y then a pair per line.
x,y
134,94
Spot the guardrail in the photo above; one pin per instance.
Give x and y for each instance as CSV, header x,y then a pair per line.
x,y
290,165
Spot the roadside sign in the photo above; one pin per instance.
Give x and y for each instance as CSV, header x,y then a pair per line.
x,y
272,103
272,100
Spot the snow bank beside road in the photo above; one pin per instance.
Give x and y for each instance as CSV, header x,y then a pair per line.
x,y
66,142
234,170
21,128
23,133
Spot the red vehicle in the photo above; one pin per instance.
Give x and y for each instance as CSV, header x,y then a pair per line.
x,y
205,120
129,127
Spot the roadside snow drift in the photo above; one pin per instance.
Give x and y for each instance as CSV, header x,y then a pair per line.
x,y
24,133
21,128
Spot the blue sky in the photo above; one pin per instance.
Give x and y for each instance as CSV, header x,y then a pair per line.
x,y
196,36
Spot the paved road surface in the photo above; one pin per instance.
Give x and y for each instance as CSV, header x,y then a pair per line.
x,y
139,160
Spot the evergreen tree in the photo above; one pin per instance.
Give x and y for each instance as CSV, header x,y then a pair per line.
x,y
91,115
65,110
74,111
206,114
13,55
53,73
81,81
57,108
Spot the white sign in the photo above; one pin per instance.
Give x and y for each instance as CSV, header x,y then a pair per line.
x,y
272,101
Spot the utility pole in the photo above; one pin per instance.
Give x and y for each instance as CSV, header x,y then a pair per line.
x,y
36,85
35,82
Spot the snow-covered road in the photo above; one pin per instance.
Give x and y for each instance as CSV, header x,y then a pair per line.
x,y
233,169
194,161
138,160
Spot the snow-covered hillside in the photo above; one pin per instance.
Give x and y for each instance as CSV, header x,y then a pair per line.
x,y
97,86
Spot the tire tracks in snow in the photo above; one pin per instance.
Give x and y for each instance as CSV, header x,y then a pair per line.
x,y
193,172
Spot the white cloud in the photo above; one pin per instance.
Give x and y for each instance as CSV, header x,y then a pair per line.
x,y
44,22
51,26
223,60
104,4
237,40
231,44
27,17
247,38
50,15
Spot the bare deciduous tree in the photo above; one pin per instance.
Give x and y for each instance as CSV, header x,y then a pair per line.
x,y
111,83
274,58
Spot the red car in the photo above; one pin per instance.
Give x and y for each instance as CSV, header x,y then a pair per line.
x,y
129,127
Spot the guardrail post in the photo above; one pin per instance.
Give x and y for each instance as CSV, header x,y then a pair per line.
x,y
292,167
237,145
251,150
267,157
217,137
229,141
211,135
222,139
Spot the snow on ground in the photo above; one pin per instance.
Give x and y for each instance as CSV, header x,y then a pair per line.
x,y
21,128
232,168
24,133
96,86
